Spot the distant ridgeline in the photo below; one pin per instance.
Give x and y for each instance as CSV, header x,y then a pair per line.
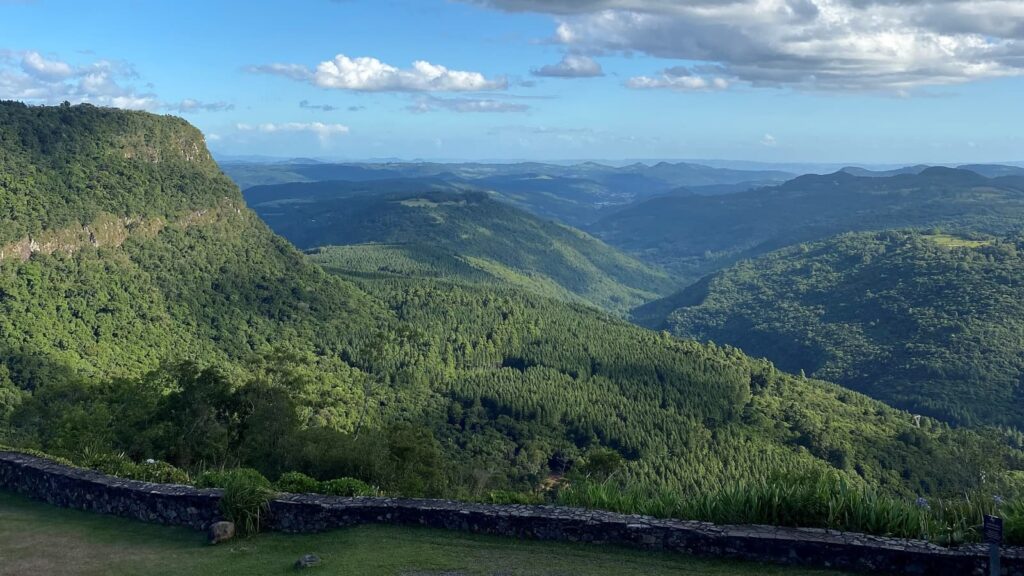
x,y
577,195
203,339
928,322
431,229
693,235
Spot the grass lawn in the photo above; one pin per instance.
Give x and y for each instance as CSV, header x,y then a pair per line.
x,y
957,242
40,539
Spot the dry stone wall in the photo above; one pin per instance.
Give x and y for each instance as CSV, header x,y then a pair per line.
x,y
195,508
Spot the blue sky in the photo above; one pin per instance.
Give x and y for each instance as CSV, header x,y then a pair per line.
x,y
770,80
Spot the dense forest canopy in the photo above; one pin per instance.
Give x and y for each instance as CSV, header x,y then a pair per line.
x,y
209,341
453,234
928,322
64,166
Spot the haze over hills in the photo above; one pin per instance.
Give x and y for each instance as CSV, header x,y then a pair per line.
x,y
575,194
926,322
692,235
418,228
408,383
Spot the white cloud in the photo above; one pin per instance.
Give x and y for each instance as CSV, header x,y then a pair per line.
x,y
678,79
34,64
31,77
371,75
572,66
323,131
34,78
883,45
293,71
189,105
769,141
466,105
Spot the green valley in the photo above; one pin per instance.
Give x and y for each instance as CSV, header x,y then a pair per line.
x,y
442,232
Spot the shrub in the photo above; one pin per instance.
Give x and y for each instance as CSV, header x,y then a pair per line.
x,y
297,483
38,454
825,499
509,497
123,467
212,479
347,487
246,498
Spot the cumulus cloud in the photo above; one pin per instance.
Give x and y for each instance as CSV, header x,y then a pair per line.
x,y
886,45
769,141
371,75
34,64
678,78
33,77
38,79
464,105
572,66
323,131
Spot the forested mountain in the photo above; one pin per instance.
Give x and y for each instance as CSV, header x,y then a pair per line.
x,y
576,195
692,235
994,170
931,323
447,233
178,327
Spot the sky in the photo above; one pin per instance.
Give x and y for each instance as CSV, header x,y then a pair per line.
x,y
846,81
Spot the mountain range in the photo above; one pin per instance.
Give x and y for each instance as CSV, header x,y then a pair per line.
x,y
146,310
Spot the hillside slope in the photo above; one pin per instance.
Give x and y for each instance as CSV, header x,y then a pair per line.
x,y
417,386
453,234
694,235
929,323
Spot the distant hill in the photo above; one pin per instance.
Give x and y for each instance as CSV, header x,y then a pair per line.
x,y
931,323
404,227
692,235
994,170
857,171
576,195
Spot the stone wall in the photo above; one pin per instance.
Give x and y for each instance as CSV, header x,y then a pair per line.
x,y
185,506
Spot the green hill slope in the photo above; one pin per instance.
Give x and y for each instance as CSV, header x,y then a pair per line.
x,y
415,385
928,322
453,234
694,235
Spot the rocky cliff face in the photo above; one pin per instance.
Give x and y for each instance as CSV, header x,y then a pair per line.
x,y
66,171
111,231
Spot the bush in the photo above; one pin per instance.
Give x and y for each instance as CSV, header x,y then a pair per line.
x,y
297,483
246,498
123,467
38,454
347,487
509,497
212,479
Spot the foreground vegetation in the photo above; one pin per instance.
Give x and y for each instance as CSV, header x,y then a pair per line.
x,y
38,539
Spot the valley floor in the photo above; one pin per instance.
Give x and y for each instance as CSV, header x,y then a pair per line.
x,y
39,539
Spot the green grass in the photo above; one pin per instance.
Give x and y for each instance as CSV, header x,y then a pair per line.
x,y
39,539
950,241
